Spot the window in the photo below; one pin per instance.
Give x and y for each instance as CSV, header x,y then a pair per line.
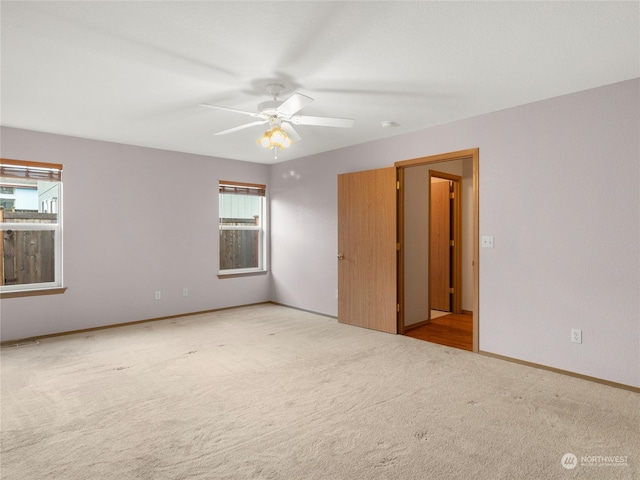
x,y
242,228
31,226
7,203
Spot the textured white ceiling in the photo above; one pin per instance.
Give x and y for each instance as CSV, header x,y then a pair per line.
x,y
134,72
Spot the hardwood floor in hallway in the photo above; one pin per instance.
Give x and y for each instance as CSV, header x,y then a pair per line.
x,y
453,330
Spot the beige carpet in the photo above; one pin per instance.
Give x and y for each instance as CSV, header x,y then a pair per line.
x,y
267,392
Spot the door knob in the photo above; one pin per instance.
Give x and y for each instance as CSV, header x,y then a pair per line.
x,y
340,256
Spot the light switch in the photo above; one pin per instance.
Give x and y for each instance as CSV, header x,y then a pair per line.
x,y
487,242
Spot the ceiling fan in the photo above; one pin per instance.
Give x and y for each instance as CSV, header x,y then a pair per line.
x,y
280,115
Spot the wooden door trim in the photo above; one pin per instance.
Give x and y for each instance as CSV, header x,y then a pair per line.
x,y
400,248
443,157
456,270
474,154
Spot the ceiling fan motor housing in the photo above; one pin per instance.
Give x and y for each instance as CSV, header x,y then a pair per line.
x,y
269,107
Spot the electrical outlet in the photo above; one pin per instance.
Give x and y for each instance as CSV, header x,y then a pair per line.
x,y
487,242
158,295
576,335
185,292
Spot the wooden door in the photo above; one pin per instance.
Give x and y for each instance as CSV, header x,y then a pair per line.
x,y
367,255
440,246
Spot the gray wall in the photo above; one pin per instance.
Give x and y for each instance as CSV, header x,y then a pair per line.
x,y
136,220
559,191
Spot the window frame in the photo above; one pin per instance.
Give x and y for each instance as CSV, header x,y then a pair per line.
x,y
37,170
252,189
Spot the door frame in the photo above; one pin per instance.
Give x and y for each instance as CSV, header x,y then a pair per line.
x,y
473,154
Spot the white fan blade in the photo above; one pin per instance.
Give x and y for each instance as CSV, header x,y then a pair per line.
x,y
294,103
242,127
291,133
322,121
218,107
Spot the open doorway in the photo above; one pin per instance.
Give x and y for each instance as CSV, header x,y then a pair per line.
x,y
417,280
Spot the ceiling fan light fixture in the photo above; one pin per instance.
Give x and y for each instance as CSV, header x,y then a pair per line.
x,y
279,138
264,140
275,138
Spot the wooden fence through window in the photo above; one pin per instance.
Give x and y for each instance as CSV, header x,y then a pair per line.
x,y
27,256
239,248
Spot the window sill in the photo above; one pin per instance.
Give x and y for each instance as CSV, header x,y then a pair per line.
x,y
233,274
33,293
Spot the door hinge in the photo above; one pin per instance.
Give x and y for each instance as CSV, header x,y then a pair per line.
x,y
397,307
451,290
398,247
397,184
452,243
452,195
